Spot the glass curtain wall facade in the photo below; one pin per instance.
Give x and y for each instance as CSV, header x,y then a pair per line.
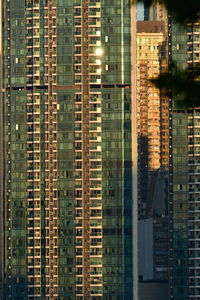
x,y
184,170
67,149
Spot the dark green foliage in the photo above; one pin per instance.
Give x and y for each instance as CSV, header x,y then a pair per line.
x,y
182,10
183,85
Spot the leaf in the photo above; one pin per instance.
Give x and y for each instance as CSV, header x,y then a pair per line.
x,y
183,85
183,11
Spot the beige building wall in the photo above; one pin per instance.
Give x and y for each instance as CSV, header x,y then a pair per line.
x,y
148,96
152,110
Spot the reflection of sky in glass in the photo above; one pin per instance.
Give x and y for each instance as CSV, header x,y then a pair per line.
x,y
140,11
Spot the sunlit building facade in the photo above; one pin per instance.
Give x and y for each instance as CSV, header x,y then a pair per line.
x,y
152,109
67,152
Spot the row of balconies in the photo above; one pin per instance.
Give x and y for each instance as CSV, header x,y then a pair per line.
x,y
94,99
35,14
95,155
93,107
93,32
92,3
94,212
93,281
34,22
79,270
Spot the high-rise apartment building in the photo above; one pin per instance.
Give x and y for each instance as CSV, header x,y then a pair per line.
x,y
184,175
67,152
153,154
152,110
